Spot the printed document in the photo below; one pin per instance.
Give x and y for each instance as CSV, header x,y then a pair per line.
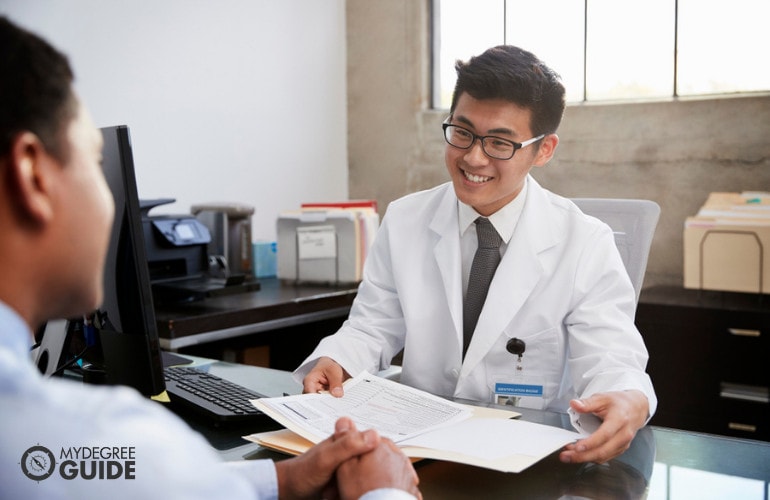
x,y
421,424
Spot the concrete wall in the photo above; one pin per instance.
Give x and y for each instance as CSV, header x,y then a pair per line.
x,y
674,152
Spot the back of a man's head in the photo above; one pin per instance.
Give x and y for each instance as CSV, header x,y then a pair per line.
x,y
517,76
35,89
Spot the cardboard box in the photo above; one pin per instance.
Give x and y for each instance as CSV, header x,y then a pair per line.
x,y
727,245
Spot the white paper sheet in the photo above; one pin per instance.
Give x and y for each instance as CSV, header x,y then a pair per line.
x,y
397,411
492,439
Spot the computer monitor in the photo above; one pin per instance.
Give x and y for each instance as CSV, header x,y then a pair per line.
x,y
125,323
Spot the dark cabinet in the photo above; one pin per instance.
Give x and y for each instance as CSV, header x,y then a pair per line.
x,y
709,359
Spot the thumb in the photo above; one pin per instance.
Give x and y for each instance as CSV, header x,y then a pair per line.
x,y
335,388
585,405
335,383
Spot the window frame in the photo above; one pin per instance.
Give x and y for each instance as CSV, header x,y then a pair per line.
x,y
676,92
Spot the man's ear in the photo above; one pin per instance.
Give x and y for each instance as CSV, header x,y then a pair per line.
x,y
30,172
546,150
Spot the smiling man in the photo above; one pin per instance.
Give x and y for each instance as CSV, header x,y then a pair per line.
x,y
554,328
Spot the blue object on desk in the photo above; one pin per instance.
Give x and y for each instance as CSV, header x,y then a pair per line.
x,y
265,253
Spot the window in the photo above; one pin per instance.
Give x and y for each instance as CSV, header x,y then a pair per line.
x,y
610,50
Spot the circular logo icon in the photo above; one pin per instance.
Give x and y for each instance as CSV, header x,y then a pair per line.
x,y
38,463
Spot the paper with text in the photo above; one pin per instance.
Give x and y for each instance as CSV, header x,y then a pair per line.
x,y
422,425
396,411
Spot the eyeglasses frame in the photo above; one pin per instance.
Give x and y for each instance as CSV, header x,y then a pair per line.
x,y
516,145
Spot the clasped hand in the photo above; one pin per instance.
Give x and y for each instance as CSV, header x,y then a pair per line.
x,y
346,465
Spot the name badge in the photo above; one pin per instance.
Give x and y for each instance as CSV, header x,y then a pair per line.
x,y
519,390
521,395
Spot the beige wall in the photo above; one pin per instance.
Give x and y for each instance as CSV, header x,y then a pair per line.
x,y
673,152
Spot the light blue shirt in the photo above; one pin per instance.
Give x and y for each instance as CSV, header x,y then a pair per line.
x,y
44,423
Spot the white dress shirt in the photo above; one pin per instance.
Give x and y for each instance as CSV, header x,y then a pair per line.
x,y
504,221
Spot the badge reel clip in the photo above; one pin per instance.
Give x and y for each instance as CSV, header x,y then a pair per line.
x,y
517,347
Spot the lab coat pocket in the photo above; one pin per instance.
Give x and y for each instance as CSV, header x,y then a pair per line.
x,y
532,379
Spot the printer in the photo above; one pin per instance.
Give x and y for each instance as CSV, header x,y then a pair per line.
x,y
180,265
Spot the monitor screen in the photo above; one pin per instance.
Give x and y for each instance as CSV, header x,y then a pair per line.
x,y
125,323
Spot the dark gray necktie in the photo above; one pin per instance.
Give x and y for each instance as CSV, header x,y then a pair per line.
x,y
483,268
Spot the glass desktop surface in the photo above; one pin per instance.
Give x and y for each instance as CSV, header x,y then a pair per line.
x,y
661,463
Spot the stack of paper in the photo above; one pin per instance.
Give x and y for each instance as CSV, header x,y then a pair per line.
x,y
422,425
326,242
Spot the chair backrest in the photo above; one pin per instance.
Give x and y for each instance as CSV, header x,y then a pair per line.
x,y
633,222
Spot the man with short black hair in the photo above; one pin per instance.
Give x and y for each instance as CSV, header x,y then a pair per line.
x,y
553,329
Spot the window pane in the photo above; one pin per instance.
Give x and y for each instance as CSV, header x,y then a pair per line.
x,y
466,28
558,42
723,46
630,49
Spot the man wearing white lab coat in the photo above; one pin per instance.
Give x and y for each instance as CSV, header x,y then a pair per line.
x,y
561,288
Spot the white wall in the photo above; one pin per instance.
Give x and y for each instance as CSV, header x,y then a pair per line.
x,y
230,100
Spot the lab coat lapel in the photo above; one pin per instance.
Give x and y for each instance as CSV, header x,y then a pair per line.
x,y
447,254
517,275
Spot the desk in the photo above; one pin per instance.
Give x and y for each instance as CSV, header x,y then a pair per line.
x,y
661,463
247,318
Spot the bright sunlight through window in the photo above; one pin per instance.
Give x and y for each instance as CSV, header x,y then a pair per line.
x,y
609,50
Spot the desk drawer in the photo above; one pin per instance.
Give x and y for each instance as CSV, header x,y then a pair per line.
x,y
744,418
744,345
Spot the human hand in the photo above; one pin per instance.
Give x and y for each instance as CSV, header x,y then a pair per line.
x,y
326,375
307,475
623,413
384,467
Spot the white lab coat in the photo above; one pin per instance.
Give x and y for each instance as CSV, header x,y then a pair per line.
x,y
561,287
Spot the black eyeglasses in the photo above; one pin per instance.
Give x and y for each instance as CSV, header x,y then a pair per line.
x,y
494,147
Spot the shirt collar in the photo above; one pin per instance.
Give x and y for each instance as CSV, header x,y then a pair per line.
x,y
14,331
504,220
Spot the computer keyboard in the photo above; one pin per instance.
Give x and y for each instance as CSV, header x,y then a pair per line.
x,y
214,397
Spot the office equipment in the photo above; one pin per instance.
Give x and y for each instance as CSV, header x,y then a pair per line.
x,y
213,397
53,343
230,228
633,222
181,267
727,244
125,322
325,245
